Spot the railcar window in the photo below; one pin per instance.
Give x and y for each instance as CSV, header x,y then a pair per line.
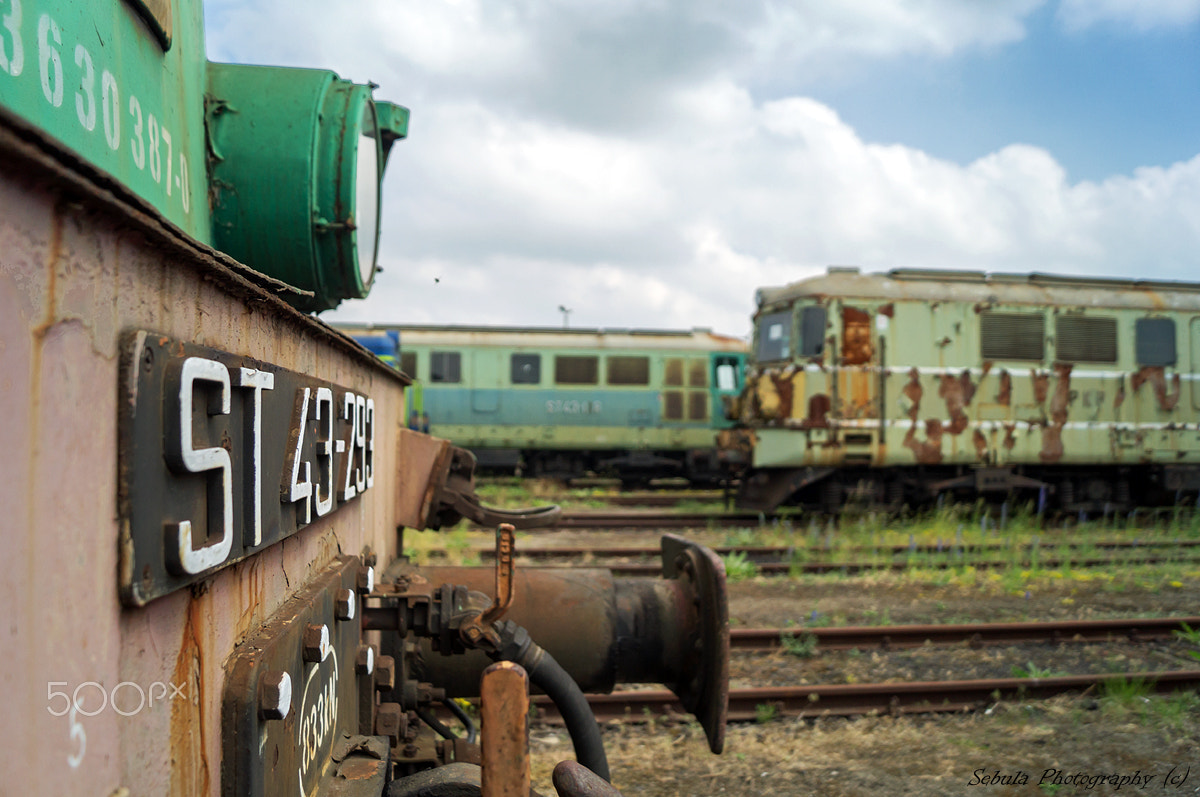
x,y
697,406
1155,341
673,372
1012,336
1085,339
628,370
526,369
445,366
408,363
812,331
775,337
698,373
673,405
574,370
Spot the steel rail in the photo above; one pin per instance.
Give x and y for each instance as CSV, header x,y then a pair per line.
x,y
764,554
911,697
778,568
1138,629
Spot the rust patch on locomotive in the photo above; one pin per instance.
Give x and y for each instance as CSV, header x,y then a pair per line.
x,y
957,392
1052,446
783,388
818,412
1010,436
981,445
189,771
1156,376
1119,398
1061,399
888,310
1004,393
1041,385
929,450
913,392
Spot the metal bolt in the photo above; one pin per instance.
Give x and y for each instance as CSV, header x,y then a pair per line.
x,y
410,750
364,663
316,643
366,580
473,633
391,721
385,674
274,695
344,604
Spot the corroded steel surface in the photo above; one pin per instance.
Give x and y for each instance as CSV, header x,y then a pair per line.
x,y
504,712
72,281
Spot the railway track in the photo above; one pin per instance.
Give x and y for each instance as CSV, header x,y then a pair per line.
x,y
907,636
775,560
912,697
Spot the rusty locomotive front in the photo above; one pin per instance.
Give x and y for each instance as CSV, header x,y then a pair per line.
x,y
898,387
206,487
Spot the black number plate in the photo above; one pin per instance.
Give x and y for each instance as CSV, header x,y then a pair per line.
x,y
222,455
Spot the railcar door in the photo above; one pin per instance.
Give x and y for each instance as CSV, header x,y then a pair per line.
x,y
484,365
1194,357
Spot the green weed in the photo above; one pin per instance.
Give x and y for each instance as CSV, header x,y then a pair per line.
x,y
803,646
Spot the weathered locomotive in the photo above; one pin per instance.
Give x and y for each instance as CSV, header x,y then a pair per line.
x,y
202,481
634,404
895,388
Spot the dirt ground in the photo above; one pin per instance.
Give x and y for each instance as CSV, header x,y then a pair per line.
x,y
1065,745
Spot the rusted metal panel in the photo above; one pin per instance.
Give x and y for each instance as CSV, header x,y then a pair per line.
x,y
290,697
72,281
504,747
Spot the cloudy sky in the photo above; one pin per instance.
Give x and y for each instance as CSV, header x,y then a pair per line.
x,y
649,163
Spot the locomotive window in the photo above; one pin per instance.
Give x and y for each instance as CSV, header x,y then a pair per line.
x,y
572,370
1012,336
673,405
526,369
856,336
408,363
628,370
673,372
445,366
812,331
726,375
697,406
698,373
1085,339
1155,341
775,337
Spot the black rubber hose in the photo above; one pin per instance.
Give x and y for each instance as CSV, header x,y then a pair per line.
x,y
433,722
463,717
549,676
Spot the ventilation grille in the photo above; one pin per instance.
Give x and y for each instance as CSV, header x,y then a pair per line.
x,y
1085,339
1012,336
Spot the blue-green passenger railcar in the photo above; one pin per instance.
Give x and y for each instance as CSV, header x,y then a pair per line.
x,y
637,404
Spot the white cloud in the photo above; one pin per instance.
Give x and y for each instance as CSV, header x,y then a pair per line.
x,y
622,159
1142,15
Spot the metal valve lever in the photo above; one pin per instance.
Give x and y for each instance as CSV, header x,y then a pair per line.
x,y
477,630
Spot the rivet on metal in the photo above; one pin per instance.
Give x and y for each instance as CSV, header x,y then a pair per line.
x,y
316,643
274,695
366,580
364,663
344,605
